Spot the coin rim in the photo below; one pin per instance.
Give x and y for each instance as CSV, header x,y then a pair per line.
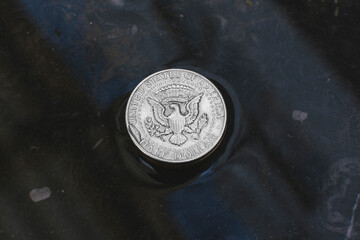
x,y
175,161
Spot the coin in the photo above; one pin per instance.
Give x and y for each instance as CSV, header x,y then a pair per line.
x,y
176,116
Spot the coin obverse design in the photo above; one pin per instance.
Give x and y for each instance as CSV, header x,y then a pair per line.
x,y
176,116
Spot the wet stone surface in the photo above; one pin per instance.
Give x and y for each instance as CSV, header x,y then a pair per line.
x,y
287,168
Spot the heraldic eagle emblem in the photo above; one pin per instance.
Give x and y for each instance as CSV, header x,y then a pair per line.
x,y
175,115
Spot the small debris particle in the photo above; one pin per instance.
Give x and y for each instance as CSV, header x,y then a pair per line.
x,y
91,22
223,21
97,143
32,148
336,13
39,194
134,29
181,16
299,115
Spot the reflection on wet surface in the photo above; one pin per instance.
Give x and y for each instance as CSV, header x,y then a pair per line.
x,y
287,168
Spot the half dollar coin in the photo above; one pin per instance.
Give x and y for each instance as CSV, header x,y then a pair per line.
x,y
176,116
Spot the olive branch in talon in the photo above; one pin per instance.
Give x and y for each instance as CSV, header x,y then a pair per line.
x,y
201,123
154,129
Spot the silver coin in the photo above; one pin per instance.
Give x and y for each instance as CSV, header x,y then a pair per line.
x,y
176,116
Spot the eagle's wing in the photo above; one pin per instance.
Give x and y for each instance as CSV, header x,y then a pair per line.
x,y
158,111
193,108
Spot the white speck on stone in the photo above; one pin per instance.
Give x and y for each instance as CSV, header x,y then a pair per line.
x,y
91,22
97,143
299,115
181,15
223,21
134,29
39,194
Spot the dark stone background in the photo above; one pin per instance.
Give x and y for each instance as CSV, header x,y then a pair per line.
x,y
67,66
